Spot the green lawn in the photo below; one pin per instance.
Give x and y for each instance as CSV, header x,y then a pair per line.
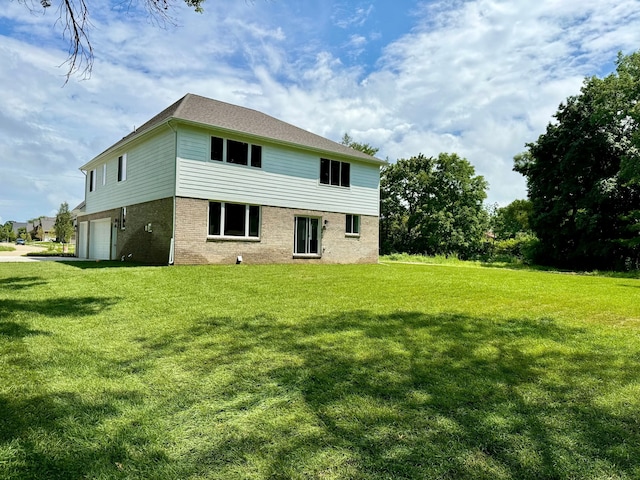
x,y
351,372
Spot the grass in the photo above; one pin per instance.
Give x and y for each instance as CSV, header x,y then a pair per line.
x,y
377,371
7,248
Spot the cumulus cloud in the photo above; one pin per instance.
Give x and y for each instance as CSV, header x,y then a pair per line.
x,y
477,77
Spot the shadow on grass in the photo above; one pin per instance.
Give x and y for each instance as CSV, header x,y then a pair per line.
x,y
56,307
62,435
91,264
409,395
20,283
350,395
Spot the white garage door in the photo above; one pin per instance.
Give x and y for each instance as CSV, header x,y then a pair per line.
x,y
83,228
100,239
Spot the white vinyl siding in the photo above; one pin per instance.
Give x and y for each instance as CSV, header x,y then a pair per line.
x,y
150,175
288,178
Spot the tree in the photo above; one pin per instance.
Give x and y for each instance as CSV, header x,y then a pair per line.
x,y
74,16
432,206
6,232
582,174
361,147
64,223
512,220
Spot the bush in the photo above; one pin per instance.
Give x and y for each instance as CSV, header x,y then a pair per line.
x,y
523,248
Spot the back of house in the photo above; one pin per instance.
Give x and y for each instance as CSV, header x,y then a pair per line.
x,y
209,182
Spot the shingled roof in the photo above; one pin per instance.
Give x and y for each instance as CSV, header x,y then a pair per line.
x,y
225,116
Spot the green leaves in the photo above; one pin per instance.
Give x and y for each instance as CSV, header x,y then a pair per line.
x,y
432,206
583,174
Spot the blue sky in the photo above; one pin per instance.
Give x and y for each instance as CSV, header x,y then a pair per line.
x,y
476,77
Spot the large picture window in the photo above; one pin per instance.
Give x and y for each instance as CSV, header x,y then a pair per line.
x,y
333,172
234,220
307,236
239,153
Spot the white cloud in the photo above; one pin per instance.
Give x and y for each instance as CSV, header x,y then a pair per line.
x,y
480,78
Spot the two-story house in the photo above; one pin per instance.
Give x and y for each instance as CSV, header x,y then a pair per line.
x,y
209,182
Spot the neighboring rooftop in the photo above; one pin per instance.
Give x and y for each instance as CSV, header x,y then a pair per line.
x,y
209,112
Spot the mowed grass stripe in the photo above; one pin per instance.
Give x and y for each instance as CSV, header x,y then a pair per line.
x,y
374,371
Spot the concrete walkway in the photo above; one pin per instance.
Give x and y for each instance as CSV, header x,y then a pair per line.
x,y
21,251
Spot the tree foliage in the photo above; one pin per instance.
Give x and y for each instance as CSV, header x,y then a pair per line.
x,y
64,223
512,220
74,16
361,147
432,206
6,232
583,174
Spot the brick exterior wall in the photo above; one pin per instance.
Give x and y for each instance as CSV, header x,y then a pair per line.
x,y
135,242
276,238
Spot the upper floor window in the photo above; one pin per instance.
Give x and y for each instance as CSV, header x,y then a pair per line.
x,y
92,180
232,151
122,168
104,174
234,220
333,172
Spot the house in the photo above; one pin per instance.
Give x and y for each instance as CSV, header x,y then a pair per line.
x,y
42,228
209,182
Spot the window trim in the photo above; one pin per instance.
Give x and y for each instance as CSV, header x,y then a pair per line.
x,y
252,149
122,167
353,225
307,254
93,174
330,170
247,223
123,218
104,174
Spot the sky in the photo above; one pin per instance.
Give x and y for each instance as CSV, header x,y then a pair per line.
x,y
480,78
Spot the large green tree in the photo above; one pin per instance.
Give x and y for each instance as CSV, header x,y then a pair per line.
x,y
64,223
432,206
582,174
512,220
74,19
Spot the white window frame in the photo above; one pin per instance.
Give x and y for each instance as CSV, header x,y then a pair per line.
x,y
247,221
122,167
123,218
225,150
353,225
344,181
309,225
104,174
93,177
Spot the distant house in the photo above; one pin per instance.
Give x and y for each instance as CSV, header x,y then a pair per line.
x,y
42,229
209,182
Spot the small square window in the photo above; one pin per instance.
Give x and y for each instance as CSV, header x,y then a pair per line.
x,y
353,225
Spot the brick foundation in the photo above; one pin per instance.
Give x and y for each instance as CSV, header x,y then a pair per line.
x,y
276,238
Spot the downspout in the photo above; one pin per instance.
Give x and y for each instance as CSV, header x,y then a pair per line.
x,y
172,246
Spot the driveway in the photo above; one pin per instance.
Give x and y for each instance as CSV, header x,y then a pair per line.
x,y
20,252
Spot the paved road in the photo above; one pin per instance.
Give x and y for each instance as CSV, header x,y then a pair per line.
x,y
20,252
